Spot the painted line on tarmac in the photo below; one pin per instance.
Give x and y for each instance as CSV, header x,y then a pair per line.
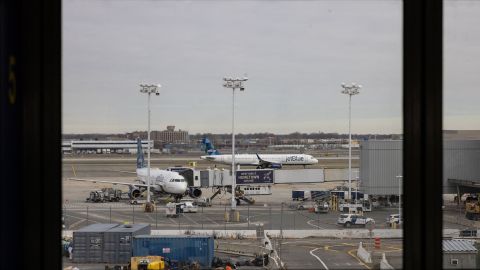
x,y
150,217
75,224
328,248
211,220
318,258
308,222
183,214
350,252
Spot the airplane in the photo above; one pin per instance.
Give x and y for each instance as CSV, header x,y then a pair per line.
x,y
163,181
274,161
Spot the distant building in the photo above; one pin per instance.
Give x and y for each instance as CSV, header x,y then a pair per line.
x,y
459,254
170,135
103,147
381,162
461,134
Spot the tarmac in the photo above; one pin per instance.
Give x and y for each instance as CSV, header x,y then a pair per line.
x,y
275,212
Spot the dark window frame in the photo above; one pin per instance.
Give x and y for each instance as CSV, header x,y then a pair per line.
x,y
34,36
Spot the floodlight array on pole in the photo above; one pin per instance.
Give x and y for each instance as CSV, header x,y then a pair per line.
x,y
350,90
237,83
149,89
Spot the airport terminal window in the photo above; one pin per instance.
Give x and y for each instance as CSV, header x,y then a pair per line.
x,y
461,121
310,45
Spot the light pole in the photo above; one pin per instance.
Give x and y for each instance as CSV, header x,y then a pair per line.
x,y
350,90
399,178
149,89
234,84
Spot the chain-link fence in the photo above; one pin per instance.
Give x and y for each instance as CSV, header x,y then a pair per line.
x,y
217,217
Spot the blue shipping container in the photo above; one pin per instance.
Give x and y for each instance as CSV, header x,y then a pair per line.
x,y
182,248
298,194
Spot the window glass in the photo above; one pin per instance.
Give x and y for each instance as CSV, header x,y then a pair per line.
x,y
461,123
310,73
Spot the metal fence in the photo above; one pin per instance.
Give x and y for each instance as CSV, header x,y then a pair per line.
x,y
281,216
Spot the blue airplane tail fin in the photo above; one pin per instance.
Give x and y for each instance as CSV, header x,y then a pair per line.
x,y
208,147
140,157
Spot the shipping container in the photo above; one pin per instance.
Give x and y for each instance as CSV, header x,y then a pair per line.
x,y
181,248
300,195
299,176
118,242
88,243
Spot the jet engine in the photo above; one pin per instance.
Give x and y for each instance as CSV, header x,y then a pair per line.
x,y
276,165
270,166
195,192
134,192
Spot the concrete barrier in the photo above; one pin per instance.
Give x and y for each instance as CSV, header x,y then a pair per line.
x,y
363,254
384,263
273,255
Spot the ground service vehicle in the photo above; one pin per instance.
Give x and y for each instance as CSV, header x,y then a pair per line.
x,y
172,210
203,202
188,207
96,196
362,205
394,218
305,206
105,195
322,207
472,210
348,220
147,262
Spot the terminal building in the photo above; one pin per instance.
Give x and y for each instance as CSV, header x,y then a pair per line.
x,y
381,166
103,147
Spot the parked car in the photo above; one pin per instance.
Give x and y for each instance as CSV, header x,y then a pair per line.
x,y
394,218
322,207
203,202
305,206
188,207
348,220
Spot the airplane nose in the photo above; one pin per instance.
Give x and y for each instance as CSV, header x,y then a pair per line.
x,y
184,187
315,160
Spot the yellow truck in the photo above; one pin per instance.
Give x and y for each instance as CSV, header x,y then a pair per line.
x,y
147,263
472,210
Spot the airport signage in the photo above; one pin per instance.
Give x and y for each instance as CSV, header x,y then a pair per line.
x,y
248,177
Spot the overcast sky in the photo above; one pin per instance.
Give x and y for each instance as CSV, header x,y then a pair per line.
x,y
295,54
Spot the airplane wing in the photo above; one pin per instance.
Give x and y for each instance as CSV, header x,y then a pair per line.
x,y
211,158
127,172
263,164
107,182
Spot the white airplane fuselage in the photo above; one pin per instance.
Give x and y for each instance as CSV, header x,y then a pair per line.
x,y
163,181
251,159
